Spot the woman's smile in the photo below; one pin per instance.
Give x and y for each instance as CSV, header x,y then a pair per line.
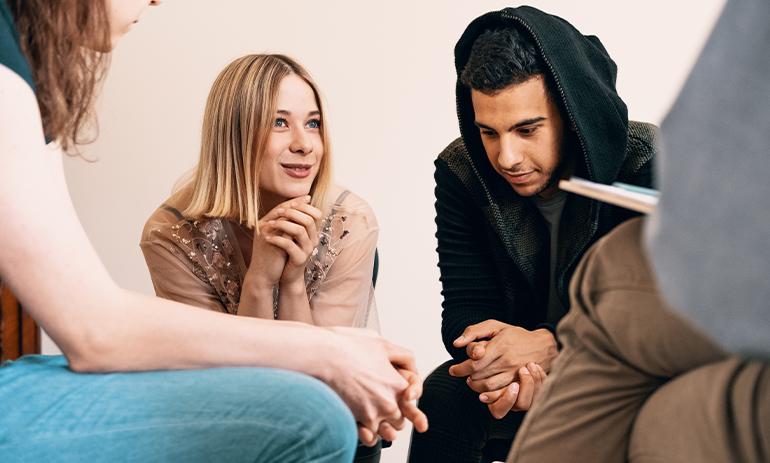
x,y
297,170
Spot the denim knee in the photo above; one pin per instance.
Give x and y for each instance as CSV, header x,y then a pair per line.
x,y
329,432
228,414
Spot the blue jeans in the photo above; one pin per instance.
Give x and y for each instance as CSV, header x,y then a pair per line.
x,y
49,413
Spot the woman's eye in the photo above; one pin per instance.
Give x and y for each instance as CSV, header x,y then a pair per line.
x,y
314,124
280,123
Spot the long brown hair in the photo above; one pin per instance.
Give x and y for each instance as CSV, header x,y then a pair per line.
x,y
67,44
237,122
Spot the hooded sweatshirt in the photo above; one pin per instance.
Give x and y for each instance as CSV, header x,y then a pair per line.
x,y
709,238
494,245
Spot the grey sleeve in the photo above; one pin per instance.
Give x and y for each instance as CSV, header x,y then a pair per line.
x,y
709,239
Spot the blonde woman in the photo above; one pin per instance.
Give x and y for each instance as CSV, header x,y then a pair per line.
x,y
164,392
260,230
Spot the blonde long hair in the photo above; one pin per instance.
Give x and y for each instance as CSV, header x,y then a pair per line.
x,y
239,116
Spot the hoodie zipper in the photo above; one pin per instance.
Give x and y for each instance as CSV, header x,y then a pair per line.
x,y
572,119
561,90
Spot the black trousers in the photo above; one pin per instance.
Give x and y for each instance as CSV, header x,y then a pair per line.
x,y
461,427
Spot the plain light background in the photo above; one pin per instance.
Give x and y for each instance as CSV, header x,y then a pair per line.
x,y
387,72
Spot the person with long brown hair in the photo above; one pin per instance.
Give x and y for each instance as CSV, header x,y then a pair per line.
x,y
52,57
259,229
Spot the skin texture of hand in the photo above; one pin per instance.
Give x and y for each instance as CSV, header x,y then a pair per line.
x,y
299,226
517,396
287,235
380,395
497,353
267,261
286,231
102,328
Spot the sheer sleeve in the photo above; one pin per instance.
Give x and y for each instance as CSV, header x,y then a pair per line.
x,y
191,262
345,295
174,280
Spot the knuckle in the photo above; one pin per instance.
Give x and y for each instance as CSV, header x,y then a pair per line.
x,y
392,410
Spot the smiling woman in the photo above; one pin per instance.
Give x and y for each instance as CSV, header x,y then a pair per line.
x,y
299,393
260,230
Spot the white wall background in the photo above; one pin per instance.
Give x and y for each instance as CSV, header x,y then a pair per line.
x,y
387,73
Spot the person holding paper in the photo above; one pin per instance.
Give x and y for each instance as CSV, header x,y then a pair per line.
x,y
536,103
666,345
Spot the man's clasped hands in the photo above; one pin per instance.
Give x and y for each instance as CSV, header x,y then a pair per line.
x,y
496,367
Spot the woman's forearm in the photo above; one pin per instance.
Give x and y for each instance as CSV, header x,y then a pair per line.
x,y
257,300
50,265
293,304
256,297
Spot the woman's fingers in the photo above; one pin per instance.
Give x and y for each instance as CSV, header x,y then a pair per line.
x,y
297,219
297,256
387,431
366,436
306,238
287,230
304,216
306,208
275,212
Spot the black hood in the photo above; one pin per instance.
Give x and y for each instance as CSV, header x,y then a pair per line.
x,y
584,77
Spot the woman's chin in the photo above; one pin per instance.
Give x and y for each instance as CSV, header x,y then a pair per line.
x,y
291,193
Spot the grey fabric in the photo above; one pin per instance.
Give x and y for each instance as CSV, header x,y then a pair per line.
x,y
551,209
709,239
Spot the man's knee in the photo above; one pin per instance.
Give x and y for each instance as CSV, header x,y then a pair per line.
x,y
713,413
444,392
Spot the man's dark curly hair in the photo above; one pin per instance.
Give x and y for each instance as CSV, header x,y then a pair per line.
x,y
502,57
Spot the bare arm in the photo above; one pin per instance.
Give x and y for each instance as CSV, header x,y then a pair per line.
x,y
49,263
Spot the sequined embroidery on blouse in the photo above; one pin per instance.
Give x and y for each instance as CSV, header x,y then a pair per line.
x,y
331,240
215,259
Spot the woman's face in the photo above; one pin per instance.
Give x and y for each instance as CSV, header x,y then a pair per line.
x,y
295,147
123,15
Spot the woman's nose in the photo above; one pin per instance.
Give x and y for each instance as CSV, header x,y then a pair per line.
x,y
300,143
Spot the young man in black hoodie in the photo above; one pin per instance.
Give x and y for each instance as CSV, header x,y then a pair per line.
x,y
537,103
666,353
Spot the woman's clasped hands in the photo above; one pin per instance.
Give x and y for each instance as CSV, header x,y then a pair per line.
x,y
287,236
288,233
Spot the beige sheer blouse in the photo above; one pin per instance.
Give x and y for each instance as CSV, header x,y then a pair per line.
x,y
200,262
